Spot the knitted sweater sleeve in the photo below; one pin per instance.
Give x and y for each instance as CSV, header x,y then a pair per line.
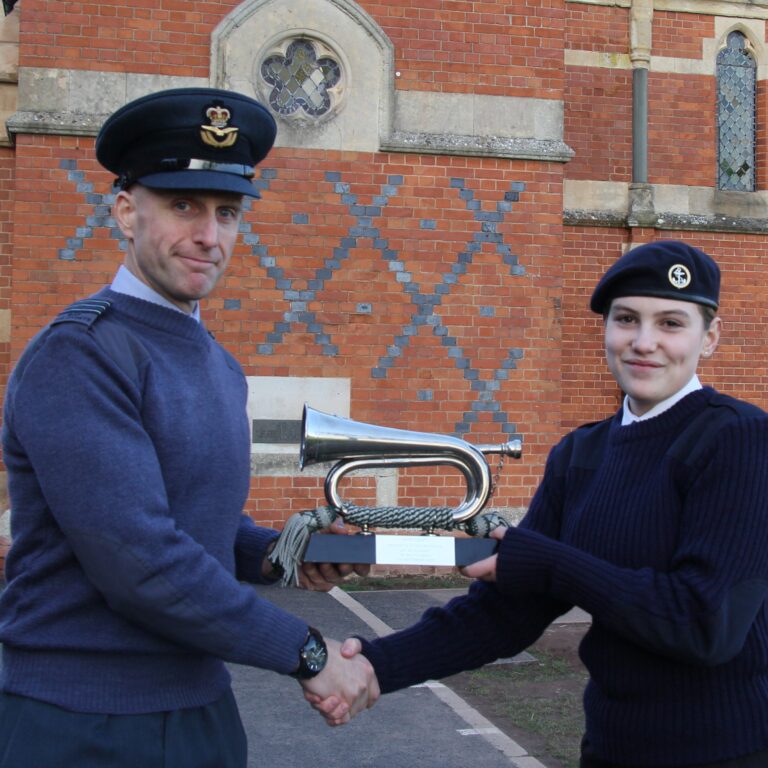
x,y
74,427
251,548
702,606
471,630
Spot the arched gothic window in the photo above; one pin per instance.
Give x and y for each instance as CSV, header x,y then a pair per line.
x,y
736,119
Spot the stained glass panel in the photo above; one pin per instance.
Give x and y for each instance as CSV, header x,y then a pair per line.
x,y
736,78
300,79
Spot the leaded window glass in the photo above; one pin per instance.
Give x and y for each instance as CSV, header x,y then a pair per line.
x,y
736,84
301,80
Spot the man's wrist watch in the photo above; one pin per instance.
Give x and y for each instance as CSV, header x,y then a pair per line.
x,y
312,656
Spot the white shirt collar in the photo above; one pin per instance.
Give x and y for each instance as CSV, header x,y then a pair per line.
x,y
629,418
126,282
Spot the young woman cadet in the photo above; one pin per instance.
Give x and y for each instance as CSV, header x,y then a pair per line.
x,y
655,521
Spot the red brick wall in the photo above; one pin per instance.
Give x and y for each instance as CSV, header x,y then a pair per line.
x,y
513,49
523,309
507,49
47,212
589,392
493,48
682,135
602,29
681,34
598,123
761,138
163,37
6,245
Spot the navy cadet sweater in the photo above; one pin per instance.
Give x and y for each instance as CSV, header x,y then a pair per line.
x,y
659,530
128,455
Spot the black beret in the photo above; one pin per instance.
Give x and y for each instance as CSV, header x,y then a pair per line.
x,y
669,269
187,138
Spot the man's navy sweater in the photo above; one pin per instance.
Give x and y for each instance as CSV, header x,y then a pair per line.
x,y
659,530
128,454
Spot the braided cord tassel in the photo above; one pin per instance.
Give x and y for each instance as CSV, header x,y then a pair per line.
x,y
292,542
482,525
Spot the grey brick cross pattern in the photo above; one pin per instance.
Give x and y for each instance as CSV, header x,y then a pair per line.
x,y
425,304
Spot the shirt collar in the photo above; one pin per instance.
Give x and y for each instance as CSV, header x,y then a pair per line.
x,y
629,418
126,282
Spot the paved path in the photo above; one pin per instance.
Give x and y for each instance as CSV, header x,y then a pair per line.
x,y
422,727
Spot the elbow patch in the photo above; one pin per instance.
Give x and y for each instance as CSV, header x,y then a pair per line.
x,y
709,640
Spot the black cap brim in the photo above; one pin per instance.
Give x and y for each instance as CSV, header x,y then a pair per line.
x,y
202,181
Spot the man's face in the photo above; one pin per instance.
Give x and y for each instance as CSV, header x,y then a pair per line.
x,y
653,346
179,241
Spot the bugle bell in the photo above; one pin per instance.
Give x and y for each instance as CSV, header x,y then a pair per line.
x,y
355,445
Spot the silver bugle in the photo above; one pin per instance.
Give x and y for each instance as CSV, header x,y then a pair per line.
x,y
355,445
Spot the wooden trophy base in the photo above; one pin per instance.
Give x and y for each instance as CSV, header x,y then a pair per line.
x,y
397,550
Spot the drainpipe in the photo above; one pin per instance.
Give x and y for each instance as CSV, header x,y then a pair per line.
x,y
641,211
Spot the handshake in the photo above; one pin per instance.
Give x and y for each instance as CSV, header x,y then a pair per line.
x,y
346,686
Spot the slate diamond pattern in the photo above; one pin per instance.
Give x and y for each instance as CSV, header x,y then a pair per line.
x,y
425,302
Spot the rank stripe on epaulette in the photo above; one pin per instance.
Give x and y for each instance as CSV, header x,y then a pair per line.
x,y
85,311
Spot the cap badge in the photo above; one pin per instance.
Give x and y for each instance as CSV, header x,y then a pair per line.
x,y
217,134
679,276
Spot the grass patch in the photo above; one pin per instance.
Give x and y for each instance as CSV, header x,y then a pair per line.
x,y
559,722
548,666
543,698
374,583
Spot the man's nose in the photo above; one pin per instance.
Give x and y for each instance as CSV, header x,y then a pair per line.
x,y
207,230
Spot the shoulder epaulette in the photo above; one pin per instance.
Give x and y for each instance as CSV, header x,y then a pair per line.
x,y
85,312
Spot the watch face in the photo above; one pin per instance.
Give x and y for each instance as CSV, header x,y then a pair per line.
x,y
315,654
312,656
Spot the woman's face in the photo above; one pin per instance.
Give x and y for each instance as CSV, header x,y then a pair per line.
x,y
653,346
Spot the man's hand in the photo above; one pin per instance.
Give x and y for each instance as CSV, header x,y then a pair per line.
x,y
346,686
322,577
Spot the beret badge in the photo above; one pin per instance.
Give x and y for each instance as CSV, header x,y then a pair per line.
x,y
218,134
679,276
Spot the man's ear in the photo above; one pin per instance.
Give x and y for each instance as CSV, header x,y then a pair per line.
x,y
123,211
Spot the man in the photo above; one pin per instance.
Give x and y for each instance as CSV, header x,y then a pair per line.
x,y
127,448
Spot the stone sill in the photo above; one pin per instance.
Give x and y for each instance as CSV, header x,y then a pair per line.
x,y
55,123
479,146
667,221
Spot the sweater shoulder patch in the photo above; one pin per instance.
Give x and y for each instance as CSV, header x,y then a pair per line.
x,y
701,434
121,346
587,444
86,312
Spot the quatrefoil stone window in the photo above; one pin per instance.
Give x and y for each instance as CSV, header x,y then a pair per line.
x,y
303,81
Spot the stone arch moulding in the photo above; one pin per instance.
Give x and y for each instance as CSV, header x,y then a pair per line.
x,y
753,29
252,30
754,45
